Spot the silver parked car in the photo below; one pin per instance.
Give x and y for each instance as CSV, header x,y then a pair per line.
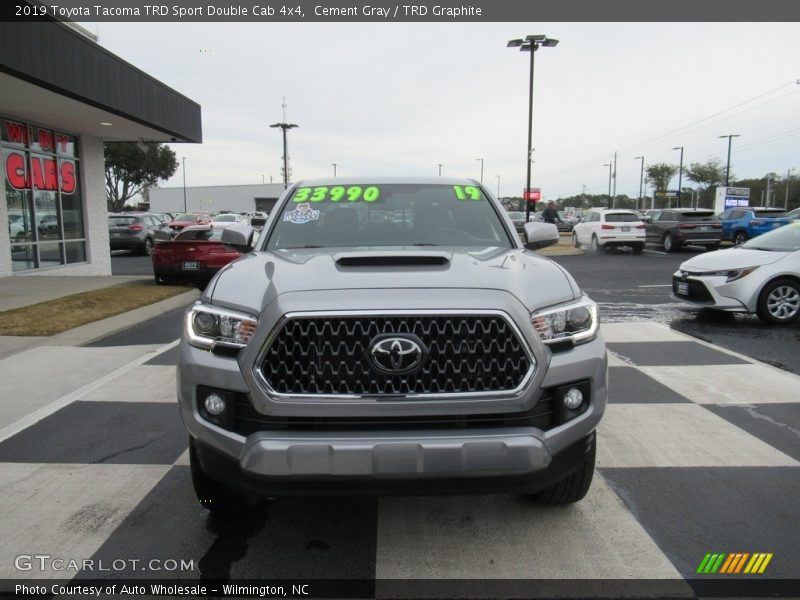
x,y
761,276
391,336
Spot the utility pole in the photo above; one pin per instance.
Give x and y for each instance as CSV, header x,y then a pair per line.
x,y
480,159
284,126
680,175
641,180
184,184
614,198
769,181
440,169
498,187
728,166
788,180
334,169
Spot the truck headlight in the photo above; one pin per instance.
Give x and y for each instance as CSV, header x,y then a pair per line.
x,y
576,321
208,326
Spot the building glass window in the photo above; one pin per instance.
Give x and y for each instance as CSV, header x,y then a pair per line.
x,y
43,196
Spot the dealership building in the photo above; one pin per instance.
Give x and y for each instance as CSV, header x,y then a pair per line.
x,y
63,96
216,198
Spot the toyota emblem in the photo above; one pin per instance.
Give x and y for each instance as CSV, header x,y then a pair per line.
x,y
396,354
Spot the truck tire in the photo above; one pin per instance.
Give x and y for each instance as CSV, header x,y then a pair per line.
x,y
212,495
574,487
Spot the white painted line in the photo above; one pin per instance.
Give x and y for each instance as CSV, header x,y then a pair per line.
x,y
47,410
658,285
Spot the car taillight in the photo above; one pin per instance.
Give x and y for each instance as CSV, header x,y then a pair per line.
x,y
685,226
136,227
640,226
754,222
717,225
604,226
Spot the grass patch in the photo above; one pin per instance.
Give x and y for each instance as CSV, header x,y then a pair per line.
x,y
55,316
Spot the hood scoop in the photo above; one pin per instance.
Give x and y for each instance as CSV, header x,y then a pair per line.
x,y
391,259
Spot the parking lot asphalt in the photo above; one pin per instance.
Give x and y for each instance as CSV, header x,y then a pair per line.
x,y
698,453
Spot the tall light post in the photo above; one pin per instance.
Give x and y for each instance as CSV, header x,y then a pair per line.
x,y
184,184
498,186
334,169
641,181
728,166
440,169
480,159
284,127
609,183
530,44
680,175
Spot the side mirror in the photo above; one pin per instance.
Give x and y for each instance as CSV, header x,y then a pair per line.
x,y
239,236
540,235
647,219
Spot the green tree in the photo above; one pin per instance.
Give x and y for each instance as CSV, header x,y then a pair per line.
x,y
660,174
134,166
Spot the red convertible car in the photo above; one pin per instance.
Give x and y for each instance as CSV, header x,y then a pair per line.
x,y
194,255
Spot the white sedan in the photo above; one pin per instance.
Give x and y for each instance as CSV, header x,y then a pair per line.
x,y
610,227
761,276
226,220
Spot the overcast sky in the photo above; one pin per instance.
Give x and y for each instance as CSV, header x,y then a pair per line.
x,y
399,98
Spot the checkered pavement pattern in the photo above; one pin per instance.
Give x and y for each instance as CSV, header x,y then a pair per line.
x,y
698,452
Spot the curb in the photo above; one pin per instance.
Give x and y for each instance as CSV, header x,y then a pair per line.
x,y
90,332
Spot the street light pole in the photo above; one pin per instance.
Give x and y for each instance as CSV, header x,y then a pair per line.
x,y
284,127
334,169
440,169
680,175
530,44
184,184
641,181
498,188
609,183
728,166
480,159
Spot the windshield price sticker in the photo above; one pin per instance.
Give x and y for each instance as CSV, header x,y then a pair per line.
x,y
468,192
354,193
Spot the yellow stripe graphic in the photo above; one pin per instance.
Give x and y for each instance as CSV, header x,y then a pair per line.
x,y
765,563
754,562
741,562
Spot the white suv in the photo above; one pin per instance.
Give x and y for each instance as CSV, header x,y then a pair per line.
x,y
610,227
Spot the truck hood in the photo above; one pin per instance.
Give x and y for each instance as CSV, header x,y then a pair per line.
x,y
254,281
731,258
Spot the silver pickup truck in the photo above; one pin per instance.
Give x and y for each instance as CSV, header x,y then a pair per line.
x,y
391,336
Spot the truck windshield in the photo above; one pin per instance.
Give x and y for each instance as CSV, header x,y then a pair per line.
x,y
387,215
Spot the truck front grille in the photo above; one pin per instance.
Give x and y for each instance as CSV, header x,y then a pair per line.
x,y
327,355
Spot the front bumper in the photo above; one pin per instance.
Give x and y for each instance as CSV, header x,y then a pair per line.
x,y
293,460
400,457
712,292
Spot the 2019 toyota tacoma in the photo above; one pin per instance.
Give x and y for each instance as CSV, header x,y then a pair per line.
x,y
391,336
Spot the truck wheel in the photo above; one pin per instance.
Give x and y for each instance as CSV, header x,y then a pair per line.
x,y
574,487
213,495
596,247
668,244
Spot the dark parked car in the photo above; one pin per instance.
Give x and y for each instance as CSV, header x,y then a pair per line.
x,y
675,227
741,224
194,255
137,232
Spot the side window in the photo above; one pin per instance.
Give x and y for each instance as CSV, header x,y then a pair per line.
x,y
736,214
595,218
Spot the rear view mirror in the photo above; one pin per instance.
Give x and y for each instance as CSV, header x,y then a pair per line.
x,y
540,235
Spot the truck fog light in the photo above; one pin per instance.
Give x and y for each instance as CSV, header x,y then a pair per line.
x,y
573,398
214,404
